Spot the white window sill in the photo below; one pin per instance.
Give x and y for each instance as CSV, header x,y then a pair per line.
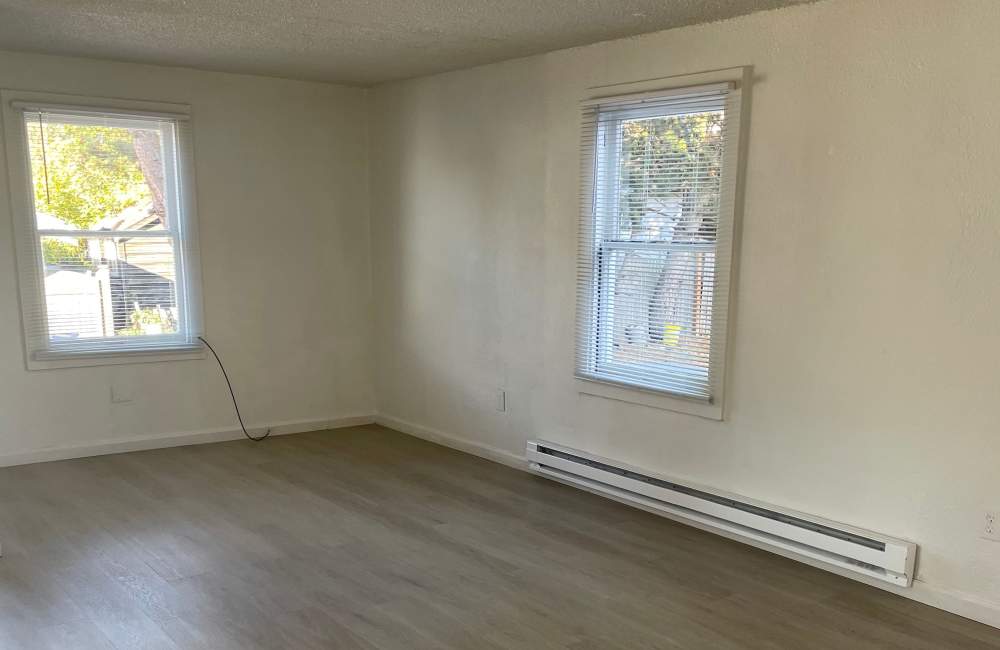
x,y
50,359
650,398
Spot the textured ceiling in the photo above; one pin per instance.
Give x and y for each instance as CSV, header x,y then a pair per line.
x,y
348,41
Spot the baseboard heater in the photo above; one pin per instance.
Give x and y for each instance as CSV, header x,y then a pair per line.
x,y
821,543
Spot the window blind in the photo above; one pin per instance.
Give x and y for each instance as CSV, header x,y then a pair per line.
x,y
656,232
106,247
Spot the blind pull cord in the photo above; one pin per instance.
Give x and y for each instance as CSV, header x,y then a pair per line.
x,y
45,161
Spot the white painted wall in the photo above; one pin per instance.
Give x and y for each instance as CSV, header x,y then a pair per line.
x,y
865,349
282,200
864,375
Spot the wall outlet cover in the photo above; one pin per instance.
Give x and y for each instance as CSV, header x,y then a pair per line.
x,y
991,526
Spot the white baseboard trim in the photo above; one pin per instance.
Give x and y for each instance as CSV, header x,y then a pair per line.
x,y
501,456
959,603
160,441
956,602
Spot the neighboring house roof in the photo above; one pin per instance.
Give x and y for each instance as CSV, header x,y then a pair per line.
x,y
135,217
132,218
46,221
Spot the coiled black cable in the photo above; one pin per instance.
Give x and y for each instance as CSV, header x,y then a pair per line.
x,y
233,394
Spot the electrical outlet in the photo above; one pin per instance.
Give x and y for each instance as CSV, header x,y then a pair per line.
x,y
501,400
991,528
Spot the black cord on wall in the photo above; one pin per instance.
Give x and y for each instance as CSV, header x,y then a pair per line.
x,y
232,394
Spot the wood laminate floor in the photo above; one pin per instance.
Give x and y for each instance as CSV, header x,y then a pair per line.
x,y
368,538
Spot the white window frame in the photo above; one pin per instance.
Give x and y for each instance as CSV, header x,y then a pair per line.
x,y
40,354
589,379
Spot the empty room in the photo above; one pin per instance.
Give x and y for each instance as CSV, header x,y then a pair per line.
x,y
647,324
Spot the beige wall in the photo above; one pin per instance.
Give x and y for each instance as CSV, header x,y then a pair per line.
x,y
281,188
864,376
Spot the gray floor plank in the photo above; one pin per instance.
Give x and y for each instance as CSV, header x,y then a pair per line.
x,y
365,538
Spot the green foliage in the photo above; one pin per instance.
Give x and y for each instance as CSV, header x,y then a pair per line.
x,y
671,159
56,251
149,321
86,172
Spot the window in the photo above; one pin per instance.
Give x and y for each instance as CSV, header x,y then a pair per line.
x,y
656,239
106,251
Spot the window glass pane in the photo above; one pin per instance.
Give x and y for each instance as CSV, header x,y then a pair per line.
x,y
669,170
98,287
96,173
659,188
659,308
